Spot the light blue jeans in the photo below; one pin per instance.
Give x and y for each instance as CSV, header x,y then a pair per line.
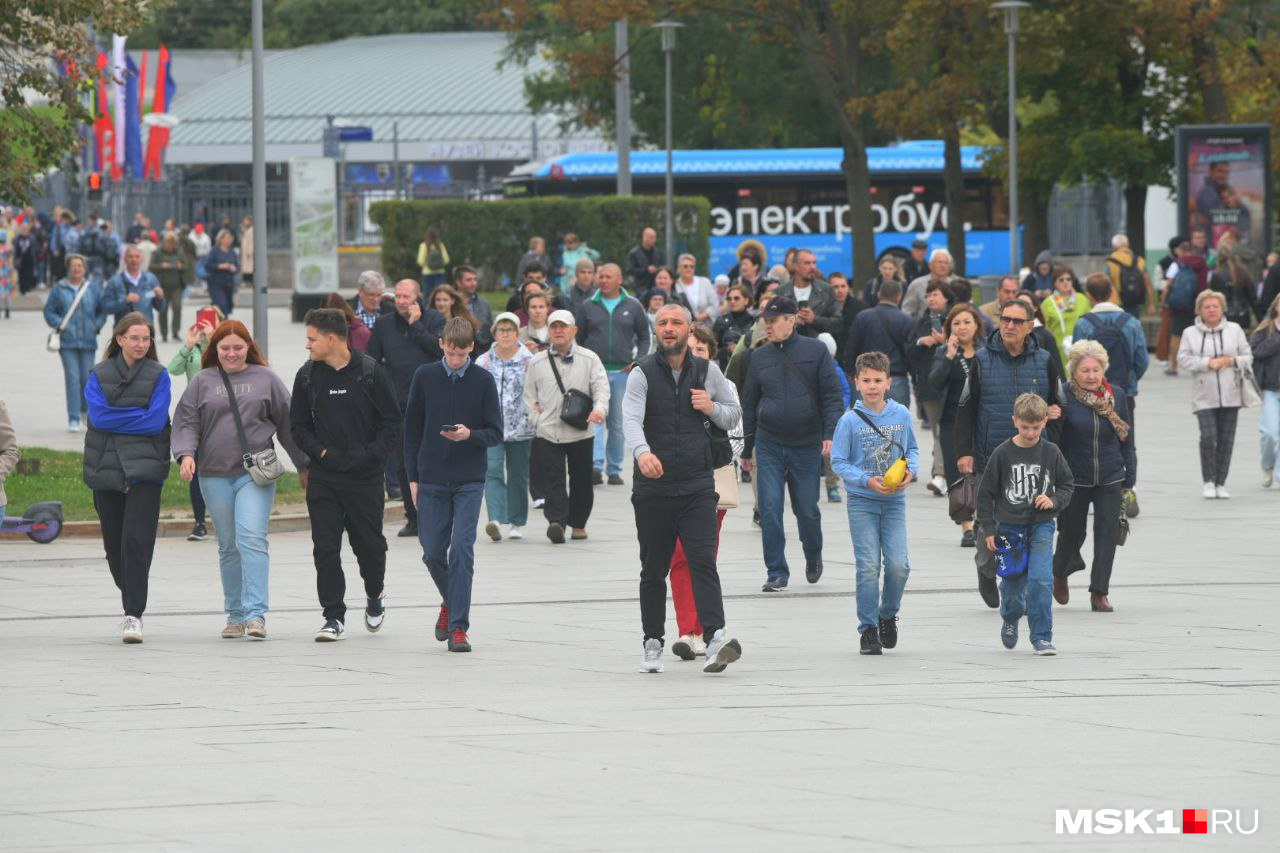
x,y
76,364
879,533
506,483
615,446
1030,591
240,509
1269,428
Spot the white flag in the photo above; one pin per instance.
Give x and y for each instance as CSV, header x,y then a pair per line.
x,y
118,70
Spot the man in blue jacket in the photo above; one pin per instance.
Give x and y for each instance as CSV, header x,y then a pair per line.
x,y
450,422
133,288
791,401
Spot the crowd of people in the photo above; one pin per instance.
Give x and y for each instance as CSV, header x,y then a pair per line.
x,y
782,379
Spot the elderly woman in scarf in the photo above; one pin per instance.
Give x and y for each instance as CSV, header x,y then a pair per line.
x,y
1097,440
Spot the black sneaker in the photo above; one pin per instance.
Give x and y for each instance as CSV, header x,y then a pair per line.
x,y
746,476
332,631
555,532
198,533
410,529
989,591
813,570
374,612
755,517
870,642
394,493
774,584
889,632
968,540
597,478
615,480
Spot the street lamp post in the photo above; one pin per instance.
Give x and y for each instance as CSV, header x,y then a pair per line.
x,y
260,275
668,30
1011,9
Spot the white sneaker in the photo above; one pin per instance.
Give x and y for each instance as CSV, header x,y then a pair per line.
x,y
515,532
537,504
1221,492
688,647
1209,491
721,652
494,530
1268,477
131,630
652,656
938,486
74,426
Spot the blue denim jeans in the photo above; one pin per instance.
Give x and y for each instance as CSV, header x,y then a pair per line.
x,y
879,532
76,364
900,390
447,517
1030,591
506,483
615,445
240,509
1269,428
800,469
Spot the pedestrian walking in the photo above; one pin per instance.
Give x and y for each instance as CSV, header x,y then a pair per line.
x,y
466,282
172,268
791,404
9,454
452,418
1216,353
506,484
817,311
76,311
126,459
1026,484
673,399
874,443
536,254
950,379
583,286
1062,308
227,419
1098,442
643,261
941,269
567,390
887,270
926,338
1131,288
885,329
134,289
433,259
343,414
612,324
186,362
1265,344
221,266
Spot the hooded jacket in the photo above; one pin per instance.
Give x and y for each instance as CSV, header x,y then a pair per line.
x,y
1214,389
859,453
1034,280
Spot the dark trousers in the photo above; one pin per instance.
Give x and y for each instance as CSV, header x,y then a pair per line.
x,y
129,522
410,513
1072,524
660,520
197,500
571,505
448,537
1217,440
357,509
537,489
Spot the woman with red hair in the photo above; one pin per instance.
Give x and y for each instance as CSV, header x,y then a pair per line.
x,y
235,394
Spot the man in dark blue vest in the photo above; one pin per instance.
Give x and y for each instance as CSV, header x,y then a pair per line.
x,y
672,399
1012,363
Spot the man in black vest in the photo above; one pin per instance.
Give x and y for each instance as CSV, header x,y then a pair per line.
x,y
672,399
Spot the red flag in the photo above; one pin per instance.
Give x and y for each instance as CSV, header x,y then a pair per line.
x,y
102,127
158,137
142,84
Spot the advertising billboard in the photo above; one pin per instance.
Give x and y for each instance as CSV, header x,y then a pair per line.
x,y
313,194
1224,182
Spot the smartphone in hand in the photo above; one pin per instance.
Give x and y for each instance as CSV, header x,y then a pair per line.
x,y
449,428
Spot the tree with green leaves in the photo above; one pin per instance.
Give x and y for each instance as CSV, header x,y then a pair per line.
x,y
47,68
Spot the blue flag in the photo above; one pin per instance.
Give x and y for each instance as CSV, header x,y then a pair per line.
x,y
132,122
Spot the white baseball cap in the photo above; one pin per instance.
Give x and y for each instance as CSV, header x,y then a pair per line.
x,y
562,316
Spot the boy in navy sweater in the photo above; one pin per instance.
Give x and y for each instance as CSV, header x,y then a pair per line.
x,y
869,439
451,420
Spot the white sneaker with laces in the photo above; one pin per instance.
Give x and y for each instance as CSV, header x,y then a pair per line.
x,y
938,486
515,532
131,630
721,652
1209,491
1221,492
652,656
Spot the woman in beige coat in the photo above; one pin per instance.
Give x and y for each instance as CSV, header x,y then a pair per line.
x,y
9,454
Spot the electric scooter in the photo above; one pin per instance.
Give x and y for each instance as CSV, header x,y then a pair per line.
x,y
41,522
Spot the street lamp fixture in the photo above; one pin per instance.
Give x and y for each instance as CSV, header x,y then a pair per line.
x,y
668,30
1011,8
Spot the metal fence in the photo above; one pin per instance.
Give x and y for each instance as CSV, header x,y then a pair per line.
x,y
1083,218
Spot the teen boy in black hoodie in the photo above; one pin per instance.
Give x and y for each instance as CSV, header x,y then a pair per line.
x,y
344,411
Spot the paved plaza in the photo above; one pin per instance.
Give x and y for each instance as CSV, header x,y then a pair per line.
x,y
545,738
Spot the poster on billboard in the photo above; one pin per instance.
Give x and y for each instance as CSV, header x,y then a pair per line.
x,y
1224,182
313,206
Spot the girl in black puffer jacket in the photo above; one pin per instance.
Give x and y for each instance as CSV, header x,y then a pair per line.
x,y
1265,344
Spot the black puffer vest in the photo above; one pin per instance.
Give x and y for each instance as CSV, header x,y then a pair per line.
x,y
675,430
113,461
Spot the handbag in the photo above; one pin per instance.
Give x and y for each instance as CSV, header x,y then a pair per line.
x,y
892,443
54,341
721,449
726,477
264,467
962,498
1250,393
576,406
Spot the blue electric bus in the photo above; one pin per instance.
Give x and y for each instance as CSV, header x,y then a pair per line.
x,y
781,198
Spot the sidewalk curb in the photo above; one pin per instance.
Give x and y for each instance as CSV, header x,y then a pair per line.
x,y
172,527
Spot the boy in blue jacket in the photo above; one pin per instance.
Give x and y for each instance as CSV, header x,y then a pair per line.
x,y
870,437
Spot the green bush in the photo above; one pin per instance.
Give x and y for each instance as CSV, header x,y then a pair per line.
x,y
492,235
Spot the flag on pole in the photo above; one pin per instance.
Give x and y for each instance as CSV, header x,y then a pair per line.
x,y
118,71
132,120
102,118
158,138
142,84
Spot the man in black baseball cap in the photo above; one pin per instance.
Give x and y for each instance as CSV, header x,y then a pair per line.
x,y
916,266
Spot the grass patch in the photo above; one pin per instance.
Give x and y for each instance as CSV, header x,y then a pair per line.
x,y
61,479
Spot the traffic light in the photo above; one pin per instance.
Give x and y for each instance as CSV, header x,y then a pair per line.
x,y
95,186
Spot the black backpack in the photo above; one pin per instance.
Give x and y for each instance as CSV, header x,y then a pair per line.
x,y
368,370
91,243
435,258
1119,361
1133,285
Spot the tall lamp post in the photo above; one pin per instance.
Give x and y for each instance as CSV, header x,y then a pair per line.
x,y
668,30
1011,9
260,276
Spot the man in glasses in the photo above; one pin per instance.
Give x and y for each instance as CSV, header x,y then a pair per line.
x,y
1011,365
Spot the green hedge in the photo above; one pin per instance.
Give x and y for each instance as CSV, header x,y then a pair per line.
x,y
492,235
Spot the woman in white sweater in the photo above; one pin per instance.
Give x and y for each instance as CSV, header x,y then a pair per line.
x,y
1215,351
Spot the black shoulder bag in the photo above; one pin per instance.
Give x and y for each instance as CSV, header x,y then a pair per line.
x,y
721,450
576,406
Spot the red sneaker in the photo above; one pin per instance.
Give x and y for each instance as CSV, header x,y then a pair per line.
x,y
442,624
458,641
